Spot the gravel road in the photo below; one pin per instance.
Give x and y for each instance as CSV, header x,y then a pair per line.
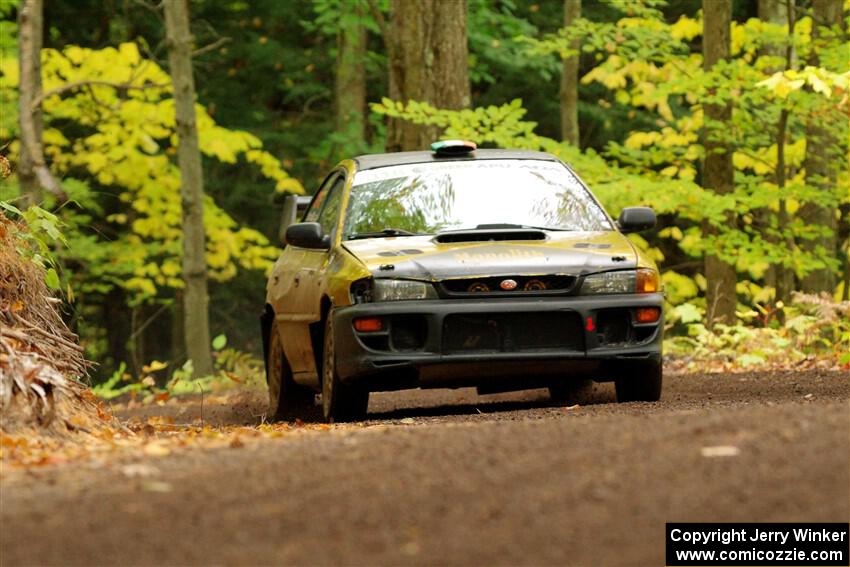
x,y
446,478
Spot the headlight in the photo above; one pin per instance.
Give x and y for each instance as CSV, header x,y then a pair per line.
x,y
628,281
396,290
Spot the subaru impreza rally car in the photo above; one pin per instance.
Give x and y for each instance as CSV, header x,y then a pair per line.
x,y
458,267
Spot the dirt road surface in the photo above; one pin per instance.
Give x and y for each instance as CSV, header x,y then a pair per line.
x,y
446,478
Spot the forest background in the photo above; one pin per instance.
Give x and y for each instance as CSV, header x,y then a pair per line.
x,y
730,118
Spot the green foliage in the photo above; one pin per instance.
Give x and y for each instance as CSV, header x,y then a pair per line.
x,y
815,328
42,234
122,140
233,367
493,28
112,388
651,65
504,126
121,382
332,15
265,93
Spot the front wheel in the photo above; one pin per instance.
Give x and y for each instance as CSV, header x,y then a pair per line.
x,y
287,400
340,402
640,382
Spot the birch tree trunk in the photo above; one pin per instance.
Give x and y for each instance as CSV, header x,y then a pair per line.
x,y
195,306
33,173
569,79
427,50
718,173
821,163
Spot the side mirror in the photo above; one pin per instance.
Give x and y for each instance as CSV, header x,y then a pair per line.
x,y
636,219
307,235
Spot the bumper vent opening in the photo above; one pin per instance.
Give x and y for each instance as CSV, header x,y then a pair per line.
x,y
614,327
408,332
376,342
512,332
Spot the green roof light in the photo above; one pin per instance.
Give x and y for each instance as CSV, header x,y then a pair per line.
x,y
453,147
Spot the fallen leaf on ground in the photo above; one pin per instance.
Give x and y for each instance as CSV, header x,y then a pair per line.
x,y
157,486
156,449
139,470
720,451
410,548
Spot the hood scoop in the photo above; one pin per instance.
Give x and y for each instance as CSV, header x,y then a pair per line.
x,y
485,235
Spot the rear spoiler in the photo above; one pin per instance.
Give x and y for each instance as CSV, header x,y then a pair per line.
x,y
293,210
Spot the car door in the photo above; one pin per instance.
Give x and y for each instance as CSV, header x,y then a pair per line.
x,y
303,304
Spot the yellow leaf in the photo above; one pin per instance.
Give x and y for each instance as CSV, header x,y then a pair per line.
x,y
154,366
637,140
156,449
686,28
818,85
782,89
129,53
75,54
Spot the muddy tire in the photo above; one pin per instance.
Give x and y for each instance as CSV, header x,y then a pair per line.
x,y
640,382
570,392
287,400
340,402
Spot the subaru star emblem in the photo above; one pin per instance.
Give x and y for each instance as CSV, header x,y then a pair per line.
x,y
508,285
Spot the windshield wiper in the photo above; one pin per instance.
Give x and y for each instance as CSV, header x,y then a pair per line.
x,y
550,228
382,233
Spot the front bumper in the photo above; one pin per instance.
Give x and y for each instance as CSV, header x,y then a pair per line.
x,y
443,351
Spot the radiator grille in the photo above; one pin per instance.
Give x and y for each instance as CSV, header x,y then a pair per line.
x,y
512,332
516,285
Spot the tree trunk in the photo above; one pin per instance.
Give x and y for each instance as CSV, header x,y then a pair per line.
x,y
137,344
779,276
718,173
33,173
350,88
427,50
569,79
845,292
195,307
178,329
823,156
774,12
114,309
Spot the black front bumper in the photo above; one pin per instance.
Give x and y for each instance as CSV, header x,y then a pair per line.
x,y
441,340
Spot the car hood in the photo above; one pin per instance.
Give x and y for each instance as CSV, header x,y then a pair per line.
x,y
567,253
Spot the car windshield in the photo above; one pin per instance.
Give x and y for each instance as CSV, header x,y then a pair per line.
x,y
433,197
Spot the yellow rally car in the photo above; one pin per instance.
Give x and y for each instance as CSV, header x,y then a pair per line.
x,y
458,267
